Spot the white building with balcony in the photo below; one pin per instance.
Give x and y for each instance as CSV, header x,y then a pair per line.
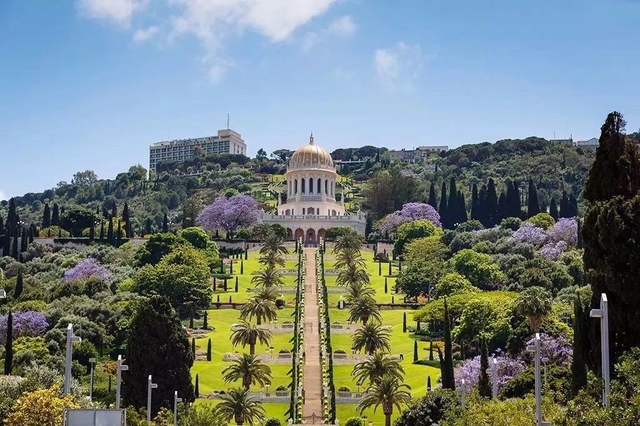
x,y
311,207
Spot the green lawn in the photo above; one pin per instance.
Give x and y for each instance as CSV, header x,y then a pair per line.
x,y
210,373
401,343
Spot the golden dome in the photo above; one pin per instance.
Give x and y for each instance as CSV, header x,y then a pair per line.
x,y
311,157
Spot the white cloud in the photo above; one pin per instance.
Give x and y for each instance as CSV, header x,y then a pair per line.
x,y
116,11
399,66
143,35
343,26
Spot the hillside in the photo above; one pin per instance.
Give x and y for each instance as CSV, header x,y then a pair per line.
x,y
186,189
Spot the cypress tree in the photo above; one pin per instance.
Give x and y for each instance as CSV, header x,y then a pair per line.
x,y
432,196
197,392
205,320
24,241
55,216
191,321
443,206
8,346
92,232
475,203
157,344
615,170
118,235
19,286
236,284
101,230
125,219
573,206
515,204
429,383
193,347
553,209
110,231
6,246
404,322
446,362
415,351
431,350
14,250
453,204
483,216
46,217
564,205
386,289
580,239
580,346
484,388
209,350
533,207
165,223
503,206
462,208
491,204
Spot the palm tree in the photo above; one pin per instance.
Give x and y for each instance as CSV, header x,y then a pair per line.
x,y
259,308
267,278
358,290
388,392
249,334
273,243
249,369
349,240
239,405
371,337
535,303
352,274
267,293
271,259
363,309
349,257
375,367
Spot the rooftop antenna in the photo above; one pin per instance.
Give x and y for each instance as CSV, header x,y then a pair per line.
x,y
311,139
227,121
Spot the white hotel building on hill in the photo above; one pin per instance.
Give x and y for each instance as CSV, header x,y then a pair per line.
x,y
226,142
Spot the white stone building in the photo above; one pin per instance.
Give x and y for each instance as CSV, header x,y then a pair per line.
x,y
311,207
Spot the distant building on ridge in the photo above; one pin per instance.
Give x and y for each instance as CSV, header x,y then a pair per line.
x,y
417,155
588,142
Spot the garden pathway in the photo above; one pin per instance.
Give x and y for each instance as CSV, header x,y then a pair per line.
x,y
312,369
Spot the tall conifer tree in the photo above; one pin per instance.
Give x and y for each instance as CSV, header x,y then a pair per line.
x,y
125,218
475,203
453,204
462,208
55,216
433,202
553,209
492,204
443,206
46,217
533,207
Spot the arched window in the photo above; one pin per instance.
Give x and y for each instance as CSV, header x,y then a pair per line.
x,y
319,187
310,210
310,185
295,186
326,186
303,188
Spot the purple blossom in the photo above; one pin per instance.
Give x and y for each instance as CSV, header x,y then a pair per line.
x,y
469,370
566,229
229,214
409,213
87,268
553,250
529,233
27,323
556,349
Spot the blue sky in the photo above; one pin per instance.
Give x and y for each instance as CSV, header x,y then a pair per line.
x,y
89,84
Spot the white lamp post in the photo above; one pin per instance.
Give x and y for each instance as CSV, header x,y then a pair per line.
x,y
536,350
176,400
150,387
92,361
120,369
463,394
603,315
71,339
494,377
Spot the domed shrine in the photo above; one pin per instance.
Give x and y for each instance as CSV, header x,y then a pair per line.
x,y
311,207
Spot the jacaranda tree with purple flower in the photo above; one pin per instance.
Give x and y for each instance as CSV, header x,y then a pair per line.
x,y
85,269
469,370
531,234
557,349
27,323
409,213
566,229
229,214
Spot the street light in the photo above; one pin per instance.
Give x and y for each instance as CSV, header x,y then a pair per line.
x,y
536,350
603,315
494,377
71,339
175,407
121,367
92,362
150,387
